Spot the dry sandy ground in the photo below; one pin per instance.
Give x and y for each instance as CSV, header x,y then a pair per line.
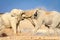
x,y
27,35
30,38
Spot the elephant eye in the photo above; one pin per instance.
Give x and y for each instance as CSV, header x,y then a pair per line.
x,y
35,14
12,15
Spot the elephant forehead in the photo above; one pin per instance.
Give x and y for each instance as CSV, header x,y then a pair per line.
x,y
16,11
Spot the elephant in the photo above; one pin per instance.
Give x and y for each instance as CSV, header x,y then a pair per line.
x,y
48,18
11,19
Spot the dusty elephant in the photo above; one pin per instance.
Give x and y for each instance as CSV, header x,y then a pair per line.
x,y
52,19
10,19
44,17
